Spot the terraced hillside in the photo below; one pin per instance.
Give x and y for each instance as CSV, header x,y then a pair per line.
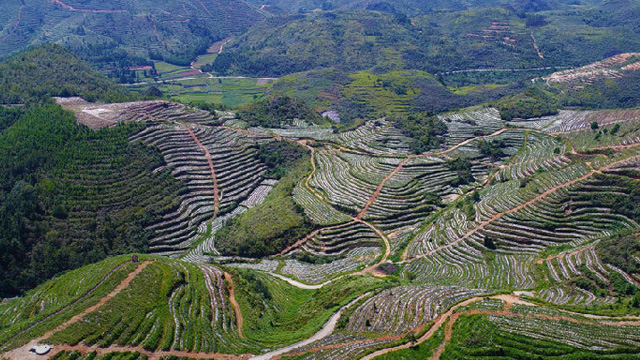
x,y
511,239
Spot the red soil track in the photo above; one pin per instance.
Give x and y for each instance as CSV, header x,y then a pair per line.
x,y
565,254
216,197
123,285
19,352
71,8
234,303
405,161
379,189
205,8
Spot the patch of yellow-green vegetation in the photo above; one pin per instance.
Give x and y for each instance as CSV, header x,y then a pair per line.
x,y
165,68
271,226
386,93
317,87
465,90
276,313
225,91
203,60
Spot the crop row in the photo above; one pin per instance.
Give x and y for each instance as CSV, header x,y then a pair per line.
x,y
349,261
470,123
377,137
458,266
237,173
340,239
177,306
404,308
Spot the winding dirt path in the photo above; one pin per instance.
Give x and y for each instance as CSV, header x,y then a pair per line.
x,y
406,160
313,170
205,8
151,355
123,285
236,306
309,237
207,154
372,269
326,330
535,46
508,300
380,186
436,325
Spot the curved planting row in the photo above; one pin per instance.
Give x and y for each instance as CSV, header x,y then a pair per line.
x,y
348,261
413,193
69,292
237,173
342,187
533,332
563,268
318,211
539,153
377,137
404,308
457,266
207,230
165,111
470,123
572,295
340,239
504,144
306,132
346,351
169,305
579,333
507,214
571,120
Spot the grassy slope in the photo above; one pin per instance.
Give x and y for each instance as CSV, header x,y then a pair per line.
x,y
271,226
293,314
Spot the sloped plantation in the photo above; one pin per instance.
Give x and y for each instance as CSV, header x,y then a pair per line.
x,y
503,239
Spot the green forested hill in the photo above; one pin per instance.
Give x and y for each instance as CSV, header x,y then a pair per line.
x,y
70,196
51,70
115,29
351,40
498,38
411,7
